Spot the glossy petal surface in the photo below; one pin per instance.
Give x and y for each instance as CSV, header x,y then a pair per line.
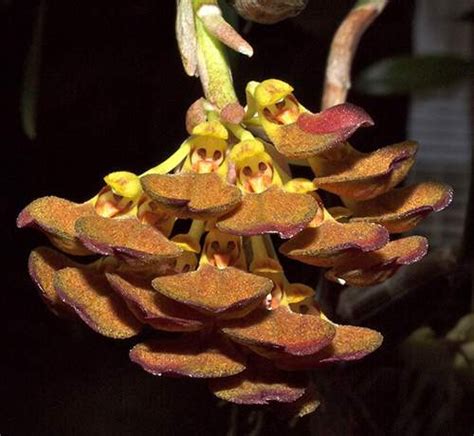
x,y
190,195
350,343
361,176
57,218
91,296
42,265
152,307
259,384
214,291
400,210
272,211
367,269
324,245
281,331
188,357
127,236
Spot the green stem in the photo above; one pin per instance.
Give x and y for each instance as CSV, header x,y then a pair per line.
x,y
213,66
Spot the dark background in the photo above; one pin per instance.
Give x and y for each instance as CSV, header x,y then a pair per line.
x,y
113,96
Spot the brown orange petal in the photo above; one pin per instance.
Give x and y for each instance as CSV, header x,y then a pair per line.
x,y
191,195
400,210
42,265
312,134
56,217
362,176
367,269
303,406
350,343
224,292
324,245
153,308
126,236
189,356
260,383
272,211
90,295
281,331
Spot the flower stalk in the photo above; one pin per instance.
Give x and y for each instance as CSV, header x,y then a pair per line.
x,y
343,47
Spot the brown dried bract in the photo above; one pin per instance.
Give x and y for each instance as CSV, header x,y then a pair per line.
x,y
57,217
153,308
281,331
91,296
189,356
224,292
126,236
400,210
324,245
43,263
272,211
191,195
367,269
361,176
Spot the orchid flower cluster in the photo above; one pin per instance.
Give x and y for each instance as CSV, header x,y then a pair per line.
x,y
218,290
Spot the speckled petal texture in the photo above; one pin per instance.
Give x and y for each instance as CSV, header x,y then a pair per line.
x,y
400,210
42,265
259,384
350,343
213,291
187,356
272,211
367,269
190,195
281,331
57,217
91,296
152,307
361,176
324,245
127,236
316,133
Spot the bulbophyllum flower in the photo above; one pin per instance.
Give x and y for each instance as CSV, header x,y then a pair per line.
x,y
218,289
296,132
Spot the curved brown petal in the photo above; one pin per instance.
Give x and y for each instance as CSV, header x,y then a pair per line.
x,y
312,134
368,269
400,210
90,295
153,308
189,357
350,343
324,245
361,176
272,211
56,217
109,236
260,383
303,406
191,195
224,292
42,265
281,331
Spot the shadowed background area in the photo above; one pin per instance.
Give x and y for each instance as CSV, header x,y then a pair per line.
x,y
112,96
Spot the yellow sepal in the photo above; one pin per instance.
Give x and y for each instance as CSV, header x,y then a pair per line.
x,y
271,91
299,186
214,129
125,184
